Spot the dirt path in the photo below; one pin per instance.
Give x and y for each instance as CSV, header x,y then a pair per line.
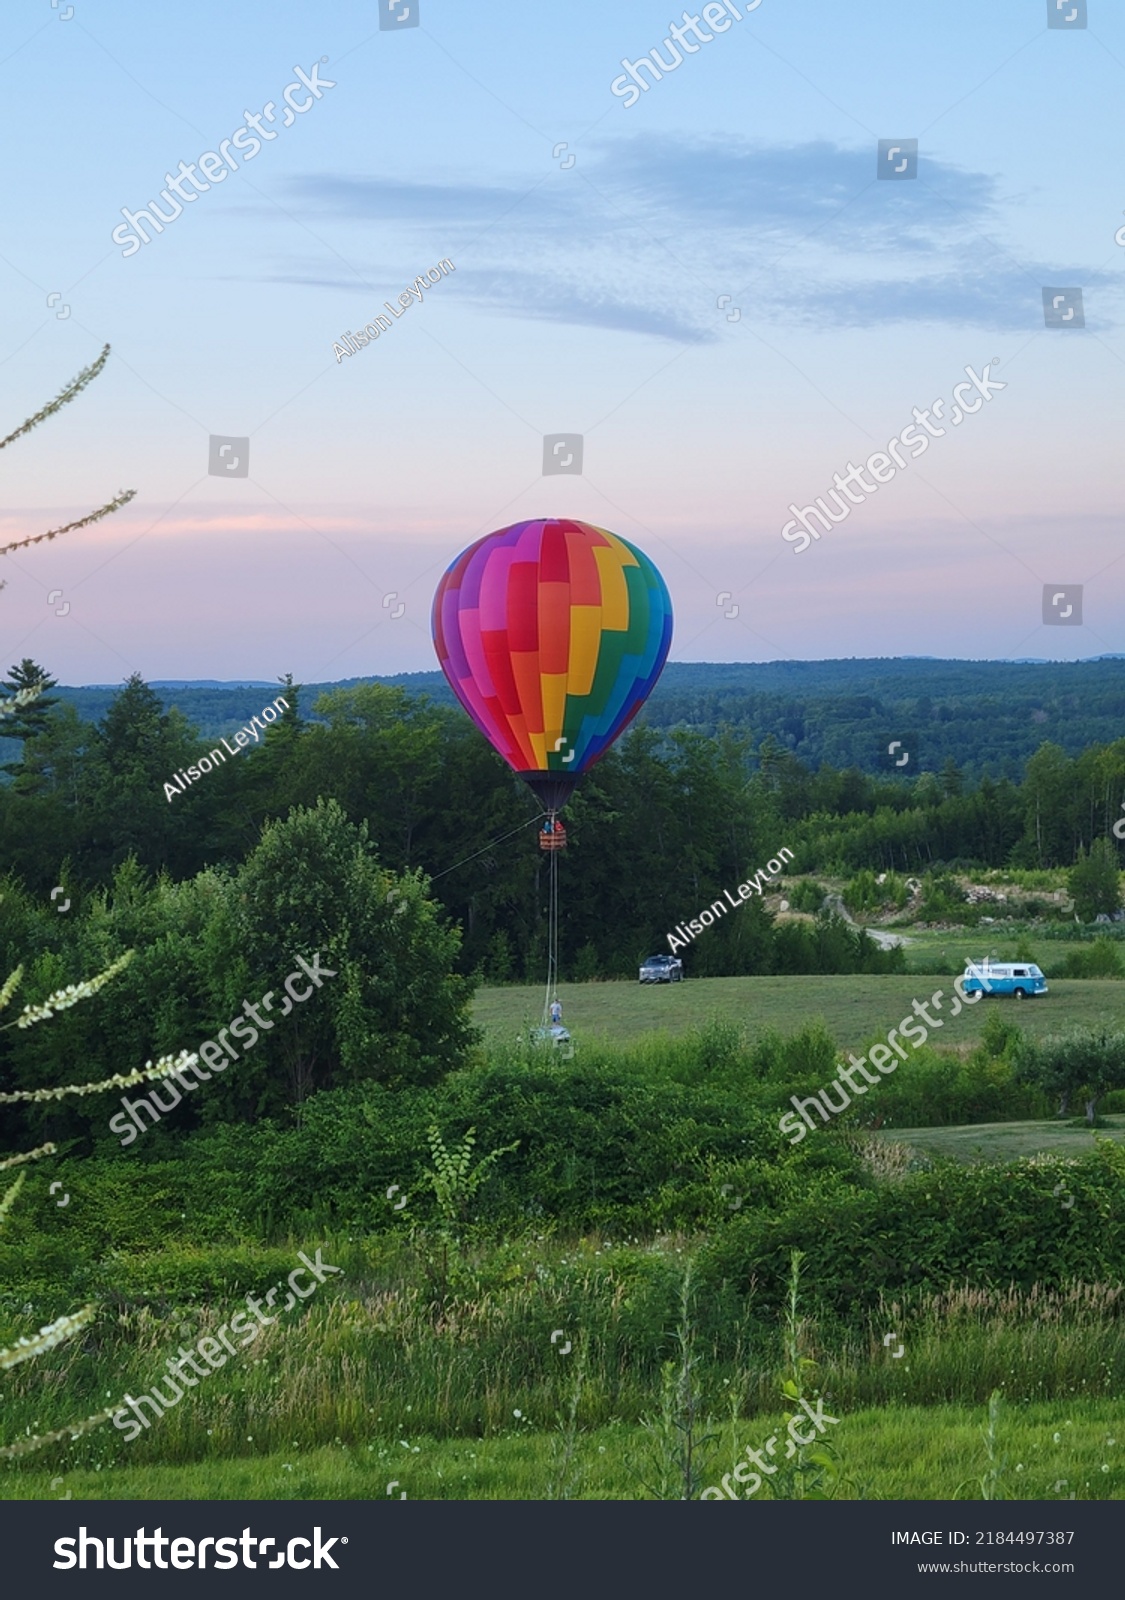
x,y
885,941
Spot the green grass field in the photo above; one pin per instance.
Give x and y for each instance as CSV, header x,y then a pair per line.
x,y
1006,1141
854,1007
953,947
887,1453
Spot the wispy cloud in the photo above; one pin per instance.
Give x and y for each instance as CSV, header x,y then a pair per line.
x,y
644,231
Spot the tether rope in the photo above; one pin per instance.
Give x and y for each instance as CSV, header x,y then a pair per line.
x,y
552,935
434,876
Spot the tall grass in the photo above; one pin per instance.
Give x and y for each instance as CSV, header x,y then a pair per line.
x,y
369,1357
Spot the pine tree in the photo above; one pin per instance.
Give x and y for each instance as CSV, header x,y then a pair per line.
x,y
952,779
34,715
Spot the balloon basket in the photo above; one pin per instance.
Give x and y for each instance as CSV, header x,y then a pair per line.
x,y
552,837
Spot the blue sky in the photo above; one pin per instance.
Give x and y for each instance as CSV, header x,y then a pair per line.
x,y
593,243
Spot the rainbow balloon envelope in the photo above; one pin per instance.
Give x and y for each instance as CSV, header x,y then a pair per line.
x,y
552,634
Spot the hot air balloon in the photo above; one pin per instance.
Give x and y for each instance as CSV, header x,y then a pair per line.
x,y
552,634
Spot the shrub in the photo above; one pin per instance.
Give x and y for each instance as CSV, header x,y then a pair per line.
x,y
586,966
806,895
936,1088
808,1056
1098,960
598,1147
862,893
990,1225
943,900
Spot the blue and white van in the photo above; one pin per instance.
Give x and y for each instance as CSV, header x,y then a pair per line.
x,y
1021,978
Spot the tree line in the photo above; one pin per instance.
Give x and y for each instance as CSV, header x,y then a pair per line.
x,y
659,828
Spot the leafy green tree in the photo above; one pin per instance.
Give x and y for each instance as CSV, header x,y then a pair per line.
x,y
388,746
455,1182
1100,787
1049,791
943,899
786,779
186,943
1084,1063
395,1011
1094,883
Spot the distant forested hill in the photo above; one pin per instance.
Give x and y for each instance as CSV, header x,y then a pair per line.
x,y
988,716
